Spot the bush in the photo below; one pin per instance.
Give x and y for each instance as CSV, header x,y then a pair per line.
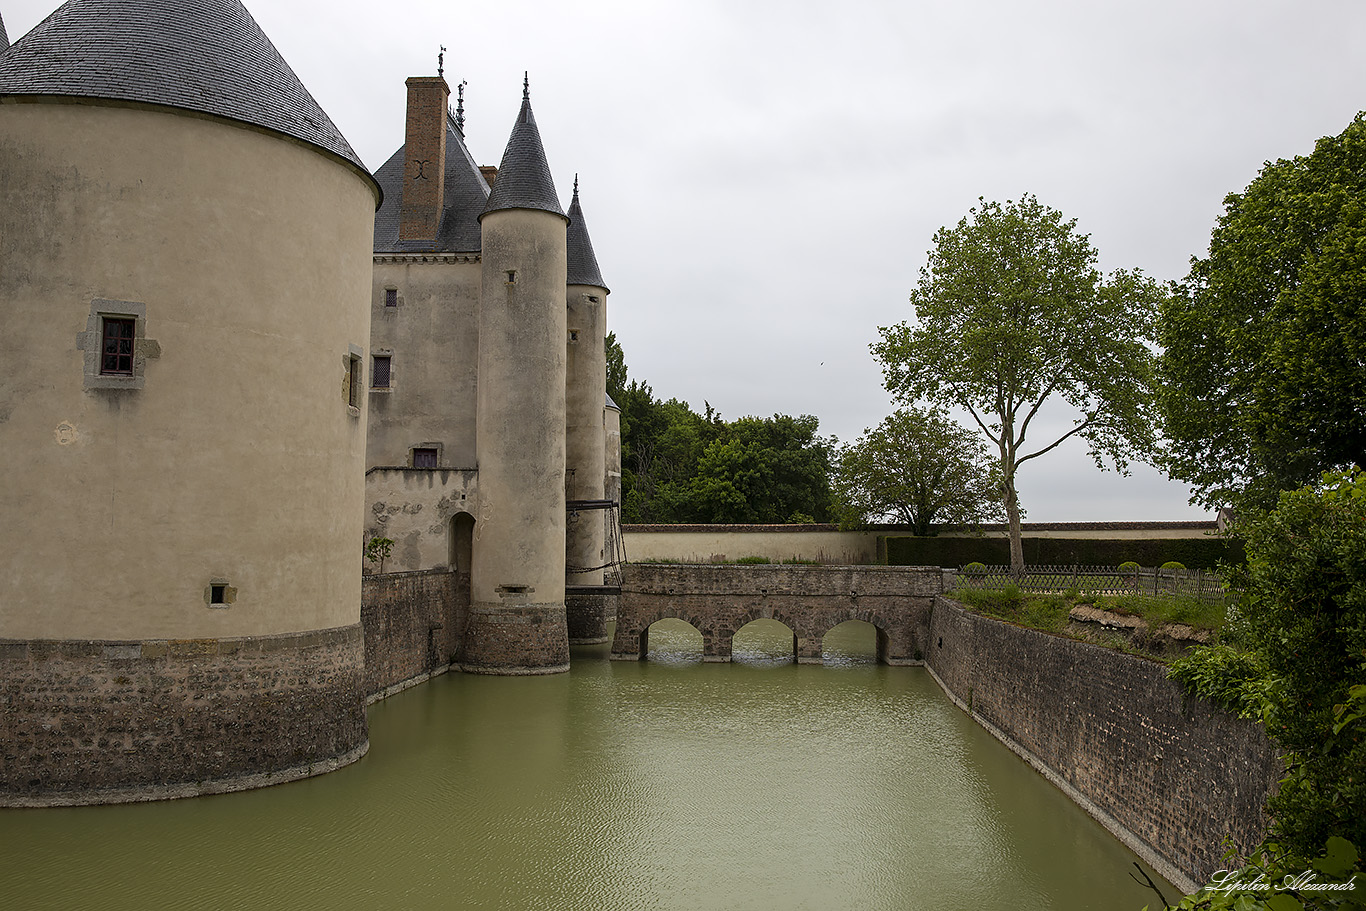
x,y
1129,566
1172,564
975,569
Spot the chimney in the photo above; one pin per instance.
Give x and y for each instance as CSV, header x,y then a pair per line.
x,y
424,158
490,172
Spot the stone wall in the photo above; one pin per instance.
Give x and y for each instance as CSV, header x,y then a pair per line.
x,y
412,623
86,722
719,599
1171,776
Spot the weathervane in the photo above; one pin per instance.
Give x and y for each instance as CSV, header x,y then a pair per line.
x,y
526,85
441,62
460,107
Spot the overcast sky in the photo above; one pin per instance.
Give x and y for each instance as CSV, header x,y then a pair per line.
x,y
762,179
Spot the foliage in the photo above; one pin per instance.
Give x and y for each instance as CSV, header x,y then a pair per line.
x,y
1172,564
1302,618
1160,610
1129,566
1270,881
1264,366
917,468
680,466
753,561
1202,553
1011,312
378,549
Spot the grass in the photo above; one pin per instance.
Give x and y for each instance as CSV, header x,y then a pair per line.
x,y
1049,611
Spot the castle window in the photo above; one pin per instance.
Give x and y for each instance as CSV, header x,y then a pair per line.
x,y
218,594
116,350
352,381
379,372
115,345
424,458
391,297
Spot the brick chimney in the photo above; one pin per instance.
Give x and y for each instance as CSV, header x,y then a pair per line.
x,y
424,158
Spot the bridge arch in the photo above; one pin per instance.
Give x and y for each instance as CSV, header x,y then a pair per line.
x,y
757,629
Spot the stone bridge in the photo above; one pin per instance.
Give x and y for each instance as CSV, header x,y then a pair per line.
x,y
811,600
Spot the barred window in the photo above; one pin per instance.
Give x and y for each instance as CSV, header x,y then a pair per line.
x,y
116,351
379,372
424,458
391,297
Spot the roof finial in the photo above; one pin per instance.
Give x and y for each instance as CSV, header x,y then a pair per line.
x,y
576,185
526,86
460,107
441,62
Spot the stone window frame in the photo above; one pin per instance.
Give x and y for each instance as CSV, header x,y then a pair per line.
x,y
376,354
226,592
352,378
91,343
439,448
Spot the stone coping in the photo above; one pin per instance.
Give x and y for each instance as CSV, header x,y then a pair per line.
x,y
1184,525
125,649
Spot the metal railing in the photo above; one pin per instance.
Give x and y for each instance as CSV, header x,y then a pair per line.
x,y
1101,580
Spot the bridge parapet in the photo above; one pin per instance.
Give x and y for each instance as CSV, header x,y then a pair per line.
x,y
811,600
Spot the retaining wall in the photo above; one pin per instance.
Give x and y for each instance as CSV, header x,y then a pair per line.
x,y
1169,775
412,622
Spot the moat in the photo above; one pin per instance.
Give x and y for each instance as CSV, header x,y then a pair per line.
x,y
667,784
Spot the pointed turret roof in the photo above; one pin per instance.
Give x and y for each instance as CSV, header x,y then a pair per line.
x,y
465,197
4,38
583,265
207,56
524,180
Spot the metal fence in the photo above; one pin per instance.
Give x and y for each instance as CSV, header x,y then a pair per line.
x,y
1101,580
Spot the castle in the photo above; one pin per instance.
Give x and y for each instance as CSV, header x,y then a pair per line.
x,y
231,355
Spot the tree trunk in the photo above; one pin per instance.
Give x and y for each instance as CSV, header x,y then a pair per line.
x,y
1016,544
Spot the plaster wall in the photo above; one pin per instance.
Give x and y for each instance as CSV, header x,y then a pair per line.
x,y
432,340
720,543
239,459
585,450
517,614
413,507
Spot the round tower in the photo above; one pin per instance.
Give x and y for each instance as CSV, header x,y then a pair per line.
x,y
184,306
585,448
517,614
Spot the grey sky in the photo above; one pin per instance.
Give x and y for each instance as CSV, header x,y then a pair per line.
x,y
762,179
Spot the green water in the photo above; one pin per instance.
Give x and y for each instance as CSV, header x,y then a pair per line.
x,y
669,784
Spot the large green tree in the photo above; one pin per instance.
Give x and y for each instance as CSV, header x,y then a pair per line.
x,y
1299,665
918,468
1012,312
1263,374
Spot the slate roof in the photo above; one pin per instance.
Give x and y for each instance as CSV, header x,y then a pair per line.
x,y
4,39
583,265
466,193
208,56
524,180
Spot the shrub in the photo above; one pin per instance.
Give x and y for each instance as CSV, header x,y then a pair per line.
x,y
752,561
1172,564
975,569
1129,566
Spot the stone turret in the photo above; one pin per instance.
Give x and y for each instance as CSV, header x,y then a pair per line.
x,y
585,451
183,317
517,614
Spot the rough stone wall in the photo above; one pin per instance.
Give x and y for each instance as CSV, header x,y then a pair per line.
x,y
811,600
1170,775
412,624
115,721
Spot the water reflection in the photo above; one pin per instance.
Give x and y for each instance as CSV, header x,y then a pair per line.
x,y
666,784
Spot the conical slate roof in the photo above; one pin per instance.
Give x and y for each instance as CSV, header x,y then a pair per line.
x,y
524,180
466,194
207,56
4,39
583,265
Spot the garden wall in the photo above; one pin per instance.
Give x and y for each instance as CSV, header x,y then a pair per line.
x,y
1168,774
1192,552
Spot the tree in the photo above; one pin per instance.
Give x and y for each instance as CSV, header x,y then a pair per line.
x,y
1012,312
1264,368
917,468
1300,624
